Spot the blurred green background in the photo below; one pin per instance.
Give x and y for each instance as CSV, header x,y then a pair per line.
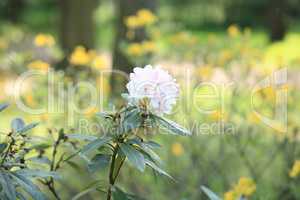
x,y
230,44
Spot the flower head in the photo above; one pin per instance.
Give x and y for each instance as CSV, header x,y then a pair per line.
x,y
295,171
42,40
154,84
39,65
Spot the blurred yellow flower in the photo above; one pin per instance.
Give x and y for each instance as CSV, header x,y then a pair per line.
x,y
149,46
80,56
3,43
135,49
295,171
30,100
183,38
39,65
91,111
142,18
139,49
177,149
245,187
146,17
42,40
253,118
229,195
44,117
225,56
218,116
132,22
233,30
205,72
99,63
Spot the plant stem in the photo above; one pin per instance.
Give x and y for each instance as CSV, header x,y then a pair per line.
x,y
111,177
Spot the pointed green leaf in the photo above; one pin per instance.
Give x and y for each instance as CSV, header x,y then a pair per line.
x,y
135,157
8,186
158,169
210,194
2,147
3,106
81,137
99,161
17,124
171,126
37,173
29,187
95,145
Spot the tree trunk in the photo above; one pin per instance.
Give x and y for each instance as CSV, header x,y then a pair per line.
x,y
14,10
276,19
120,62
77,26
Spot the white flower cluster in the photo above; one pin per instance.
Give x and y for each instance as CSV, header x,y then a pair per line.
x,y
155,84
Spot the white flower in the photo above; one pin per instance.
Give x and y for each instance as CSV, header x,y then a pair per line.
x,y
155,84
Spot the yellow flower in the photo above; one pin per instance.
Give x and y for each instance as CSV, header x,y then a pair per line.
x,y
233,30
253,118
229,195
91,111
135,49
30,100
183,38
295,171
148,46
245,187
143,17
225,56
39,64
80,56
3,43
218,116
42,40
132,22
99,63
177,149
44,117
205,71
146,17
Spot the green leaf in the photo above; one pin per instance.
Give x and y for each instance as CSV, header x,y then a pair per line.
x,y
37,173
2,147
158,169
132,120
119,194
40,160
3,106
29,187
8,186
95,144
135,157
152,144
99,161
81,137
153,156
17,124
210,194
171,126
105,115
